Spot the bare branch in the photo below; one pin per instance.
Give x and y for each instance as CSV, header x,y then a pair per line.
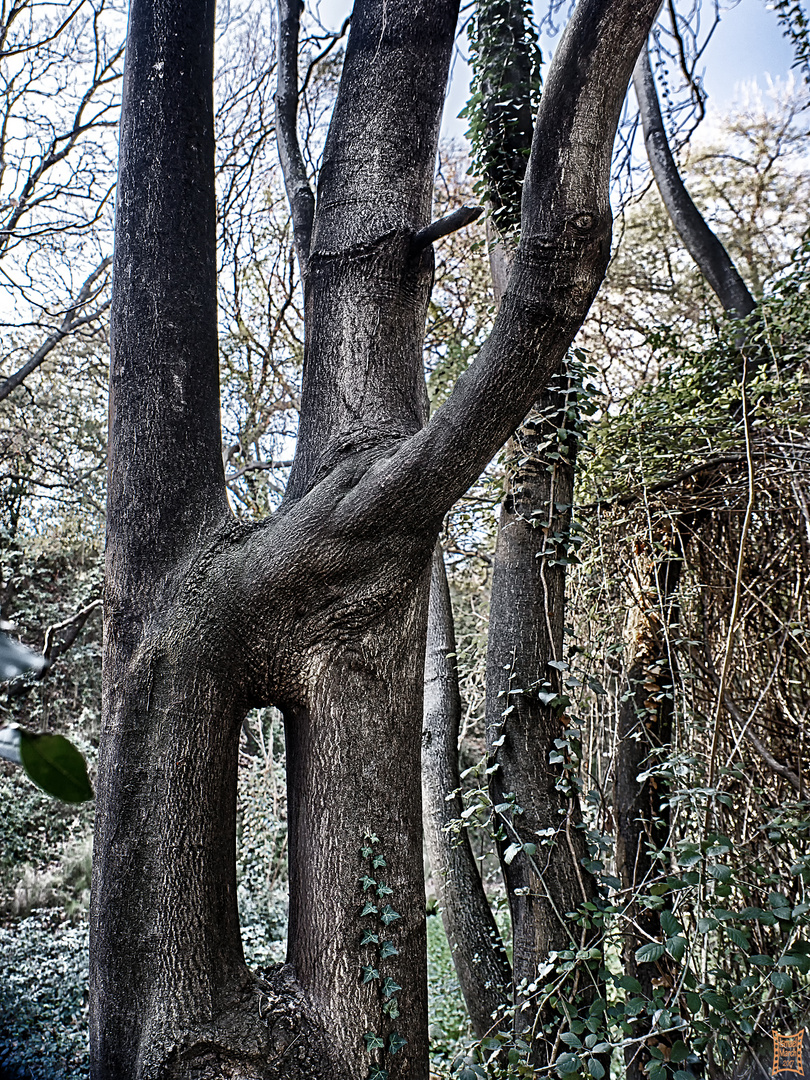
x,y
74,626
446,225
299,193
69,323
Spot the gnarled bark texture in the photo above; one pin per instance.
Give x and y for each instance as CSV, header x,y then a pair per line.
x,y
321,609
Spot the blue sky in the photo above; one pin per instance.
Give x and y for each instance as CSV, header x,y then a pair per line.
x,y
747,46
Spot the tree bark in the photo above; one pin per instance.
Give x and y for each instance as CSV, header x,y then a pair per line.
x,y
483,968
525,719
322,608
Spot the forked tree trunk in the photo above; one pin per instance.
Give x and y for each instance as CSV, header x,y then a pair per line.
x,y
322,608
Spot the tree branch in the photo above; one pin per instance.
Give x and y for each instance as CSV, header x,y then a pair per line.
x,y
74,626
296,182
711,257
450,223
69,323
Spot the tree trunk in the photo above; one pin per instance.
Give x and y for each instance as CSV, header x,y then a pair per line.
x,y
320,610
538,800
483,968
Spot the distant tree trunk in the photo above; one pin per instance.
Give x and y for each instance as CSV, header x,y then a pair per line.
x,y
483,968
528,592
321,609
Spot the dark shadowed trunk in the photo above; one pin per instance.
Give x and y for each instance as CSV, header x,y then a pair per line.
x,y
321,609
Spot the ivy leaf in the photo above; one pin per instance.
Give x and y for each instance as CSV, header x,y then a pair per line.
x,y
373,1041
368,937
378,861
383,890
649,953
376,1073
511,852
366,852
391,1008
388,948
369,973
396,1042
367,882
389,987
389,915
369,909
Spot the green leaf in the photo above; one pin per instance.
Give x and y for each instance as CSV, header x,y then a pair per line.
x,y
596,1068
669,924
721,873
369,973
367,882
379,860
782,981
391,1008
627,982
396,1042
388,915
570,1039
676,947
368,937
705,925
388,948
679,1052
649,953
366,852
373,1041
56,766
567,1064
369,909
376,1073
389,987
383,890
